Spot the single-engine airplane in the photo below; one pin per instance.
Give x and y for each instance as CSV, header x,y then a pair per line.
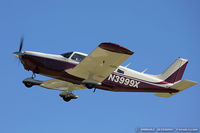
x,y
100,70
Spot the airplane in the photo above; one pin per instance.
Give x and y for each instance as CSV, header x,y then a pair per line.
x,y
101,69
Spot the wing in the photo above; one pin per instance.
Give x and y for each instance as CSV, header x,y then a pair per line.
x,y
99,64
61,85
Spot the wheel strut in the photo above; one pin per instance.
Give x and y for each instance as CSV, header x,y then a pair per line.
x,y
33,75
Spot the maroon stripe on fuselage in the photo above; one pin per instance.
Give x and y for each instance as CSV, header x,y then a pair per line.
x,y
48,63
56,69
138,85
119,89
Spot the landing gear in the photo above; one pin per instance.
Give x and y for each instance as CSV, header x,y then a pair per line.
x,y
66,99
89,86
33,75
67,96
28,84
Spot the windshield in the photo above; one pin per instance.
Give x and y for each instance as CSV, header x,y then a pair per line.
x,y
78,57
67,55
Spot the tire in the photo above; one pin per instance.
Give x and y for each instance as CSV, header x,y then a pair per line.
x,y
89,86
66,99
28,85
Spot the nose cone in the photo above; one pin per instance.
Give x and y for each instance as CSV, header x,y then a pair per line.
x,y
17,54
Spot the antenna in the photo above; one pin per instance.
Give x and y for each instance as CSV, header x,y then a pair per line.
x,y
127,65
144,70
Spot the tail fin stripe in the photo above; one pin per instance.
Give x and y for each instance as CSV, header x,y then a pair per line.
x,y
177,75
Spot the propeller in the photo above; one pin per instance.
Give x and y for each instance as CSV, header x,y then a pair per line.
x,y
19,53
21,44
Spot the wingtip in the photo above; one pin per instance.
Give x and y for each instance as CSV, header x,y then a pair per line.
x,y
115,48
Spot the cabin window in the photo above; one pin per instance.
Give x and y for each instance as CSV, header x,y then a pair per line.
x,y
67,55
78,57
120,71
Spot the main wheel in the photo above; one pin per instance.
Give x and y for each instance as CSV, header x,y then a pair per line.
x,y
28,84
66,99
89,86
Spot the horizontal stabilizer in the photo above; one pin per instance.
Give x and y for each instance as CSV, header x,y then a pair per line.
x,y
182,85
164,94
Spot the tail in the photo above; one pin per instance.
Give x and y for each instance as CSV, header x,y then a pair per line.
x,y
173,74
175,71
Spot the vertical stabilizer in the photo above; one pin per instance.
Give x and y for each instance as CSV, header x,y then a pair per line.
x,y
175,71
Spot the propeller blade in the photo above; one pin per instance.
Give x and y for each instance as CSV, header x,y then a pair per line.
x,y
21,44
19,53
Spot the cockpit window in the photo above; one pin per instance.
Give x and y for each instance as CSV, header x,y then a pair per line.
x,y
67,55
78,57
